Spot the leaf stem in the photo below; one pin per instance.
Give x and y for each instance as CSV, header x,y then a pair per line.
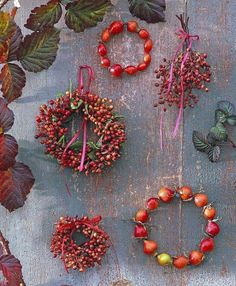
x,y
232,142
3,3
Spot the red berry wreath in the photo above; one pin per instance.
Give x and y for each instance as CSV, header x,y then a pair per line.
x,y
79,256
89,156
150,247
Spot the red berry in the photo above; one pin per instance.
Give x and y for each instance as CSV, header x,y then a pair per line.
x,y
149,247
148,45
141,215
196,257
142,66
116,70
140,231
131,70
132,26
200,200
209,212
166,195
147,59
102,50
180,262
105,62
116,27
152,204
185,193
105,35
207,244
143,34
212,228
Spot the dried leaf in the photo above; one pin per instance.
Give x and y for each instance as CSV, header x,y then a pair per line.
x,y
8,151
4,50
6,117
84,14
226,106
152,11
15,44
214,154
199,142
39,49
44,16
13,80
15,185
7,27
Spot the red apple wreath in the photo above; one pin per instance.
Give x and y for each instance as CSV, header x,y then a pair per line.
x,y
87,155
150,247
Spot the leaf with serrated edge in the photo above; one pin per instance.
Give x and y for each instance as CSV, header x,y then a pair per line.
x,y
152,11
13,80
226,106
6,117
220,116
15,44
219,132
214,154
231,120
44,16
8,151
84,14
7,27
15,185
199,142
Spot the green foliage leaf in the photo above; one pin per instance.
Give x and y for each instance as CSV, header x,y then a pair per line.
x,y
38,50
13,80
84,14
44,16
15,44
219,132
199,142
231,120
220,116
226,106
152,11
214,153
77,145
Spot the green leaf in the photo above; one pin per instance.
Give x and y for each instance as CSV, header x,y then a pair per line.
x,y
199,142
84,14
92,155
13,80
76,145
220,116
14,44
231,120
226,106
39,49
7,27
219,132
44,16
76,106
152,11
214,154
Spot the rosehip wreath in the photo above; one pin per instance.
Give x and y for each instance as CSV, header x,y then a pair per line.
x,y
79,256
150,247
115,28
88,156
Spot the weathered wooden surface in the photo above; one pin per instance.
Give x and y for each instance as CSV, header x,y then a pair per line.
x,y
142,169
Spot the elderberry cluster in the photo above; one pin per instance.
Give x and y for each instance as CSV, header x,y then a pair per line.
x,y
195,74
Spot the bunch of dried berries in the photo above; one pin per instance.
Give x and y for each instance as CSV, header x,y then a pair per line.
x,y
79,257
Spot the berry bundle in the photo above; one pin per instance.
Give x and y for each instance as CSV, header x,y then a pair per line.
x,y
150,247
79,257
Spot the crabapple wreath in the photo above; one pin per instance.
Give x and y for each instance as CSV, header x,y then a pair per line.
x,y
79,256
150,247
115,28
88,156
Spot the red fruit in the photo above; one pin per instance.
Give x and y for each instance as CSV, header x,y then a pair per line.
x,y
166,195
131,70
207,244
140,231
116,70
143,34
185,193
141,216
200,200
148,45
105,35
196,257
132,26
209,212
142,66
152,204
147,59
149,247
116,27
102,50
212,228
105,62
180,262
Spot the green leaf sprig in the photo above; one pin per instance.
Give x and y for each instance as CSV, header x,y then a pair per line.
x,y
218,134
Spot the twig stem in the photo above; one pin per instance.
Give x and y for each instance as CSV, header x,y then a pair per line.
x,y
3,3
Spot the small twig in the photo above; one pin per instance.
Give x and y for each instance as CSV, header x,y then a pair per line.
x,y
232,142
3,3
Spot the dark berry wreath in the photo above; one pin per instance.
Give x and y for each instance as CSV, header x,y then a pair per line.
x,y
150,247
79,256
89,156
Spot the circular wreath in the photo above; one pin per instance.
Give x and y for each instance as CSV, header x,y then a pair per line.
x,y
79,256
89,156
115,28
150,247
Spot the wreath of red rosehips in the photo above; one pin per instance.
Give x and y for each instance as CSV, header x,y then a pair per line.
x,y
150,247
115,28
88,156
83,256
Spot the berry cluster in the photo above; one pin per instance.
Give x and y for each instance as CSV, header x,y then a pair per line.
x,y
116,28
74,256
150,247
195,74
52,127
